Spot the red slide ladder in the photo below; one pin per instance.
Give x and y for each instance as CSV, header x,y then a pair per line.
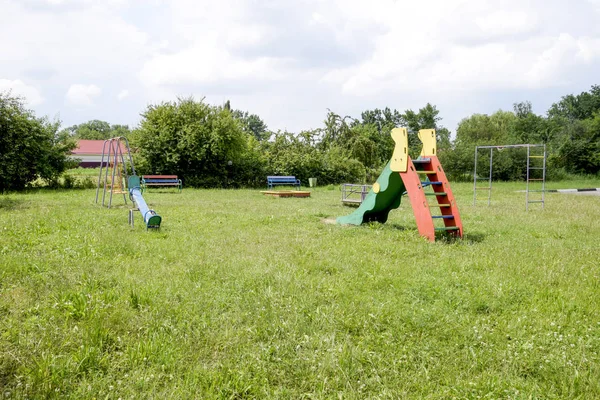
x,y
425,179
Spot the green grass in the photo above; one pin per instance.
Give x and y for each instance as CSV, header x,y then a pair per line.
x,y
245,296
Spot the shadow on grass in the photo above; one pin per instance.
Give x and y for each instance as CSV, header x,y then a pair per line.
x,y
468,238
447,238
9,204
400,227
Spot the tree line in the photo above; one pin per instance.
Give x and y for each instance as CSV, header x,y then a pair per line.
x,y
218,146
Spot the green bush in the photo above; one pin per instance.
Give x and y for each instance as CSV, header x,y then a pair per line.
x,y
30,147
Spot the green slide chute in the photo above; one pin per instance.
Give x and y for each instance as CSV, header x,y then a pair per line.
x,y
377,206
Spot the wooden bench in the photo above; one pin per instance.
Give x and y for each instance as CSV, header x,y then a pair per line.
x,y
160,180
283,180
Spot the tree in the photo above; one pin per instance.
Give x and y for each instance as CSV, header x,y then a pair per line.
x,y
481,130
290,154
580,151
189,138
529,127
97,130
252,124
30,147
426,118
582,106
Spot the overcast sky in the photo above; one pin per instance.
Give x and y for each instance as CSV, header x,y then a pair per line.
x,y
288,61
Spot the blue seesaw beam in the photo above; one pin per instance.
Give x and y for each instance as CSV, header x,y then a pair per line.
x,y
151,218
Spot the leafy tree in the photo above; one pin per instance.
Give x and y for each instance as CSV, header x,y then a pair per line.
x,y
30,147
580,151
582,106
191,139
336,131
97,130
426,118
572,129
252,124
480,130
528,127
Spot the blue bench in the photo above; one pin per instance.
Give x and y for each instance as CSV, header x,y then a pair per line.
x,y
283,180
160,180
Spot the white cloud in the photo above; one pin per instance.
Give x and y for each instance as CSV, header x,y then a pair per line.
x,y
290,61
477,46
123,94
31,94
82,95
206,64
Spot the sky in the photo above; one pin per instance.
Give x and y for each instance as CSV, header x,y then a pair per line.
x,y
291,61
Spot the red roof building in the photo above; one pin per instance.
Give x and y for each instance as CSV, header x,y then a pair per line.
x,y
90,152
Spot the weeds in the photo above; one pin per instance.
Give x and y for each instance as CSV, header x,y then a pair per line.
x,y
244,296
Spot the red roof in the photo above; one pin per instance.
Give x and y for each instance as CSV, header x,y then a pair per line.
x,y
93,147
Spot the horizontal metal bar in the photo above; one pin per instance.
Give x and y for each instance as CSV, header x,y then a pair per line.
x,y
509,146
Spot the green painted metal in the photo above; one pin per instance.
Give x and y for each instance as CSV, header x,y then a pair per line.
x,y
151,218
133,182
377,206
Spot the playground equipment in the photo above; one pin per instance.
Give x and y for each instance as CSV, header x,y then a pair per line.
x,y
402,175
354,195
536,172
151,218
116,164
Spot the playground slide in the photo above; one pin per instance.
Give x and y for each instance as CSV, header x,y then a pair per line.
x,y
377,206
151,218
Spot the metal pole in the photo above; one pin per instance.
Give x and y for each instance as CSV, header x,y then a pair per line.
x,y
106,170
527,187
112,182
120,152
129,153
544,179
490,186
100,174
475,177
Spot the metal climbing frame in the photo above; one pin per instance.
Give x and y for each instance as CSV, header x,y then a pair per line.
x,y
532,175
114,162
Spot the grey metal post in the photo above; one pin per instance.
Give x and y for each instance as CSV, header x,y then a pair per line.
x,y
120,152
490,185
544,179
112,182
100,174
106,170
527,187
475,177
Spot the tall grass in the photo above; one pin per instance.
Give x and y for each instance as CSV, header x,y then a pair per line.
x,y
245,296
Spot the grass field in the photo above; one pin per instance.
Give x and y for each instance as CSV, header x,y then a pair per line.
x,y
245,296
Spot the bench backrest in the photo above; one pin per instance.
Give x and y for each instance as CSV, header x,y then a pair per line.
x,y
159,177
281,178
